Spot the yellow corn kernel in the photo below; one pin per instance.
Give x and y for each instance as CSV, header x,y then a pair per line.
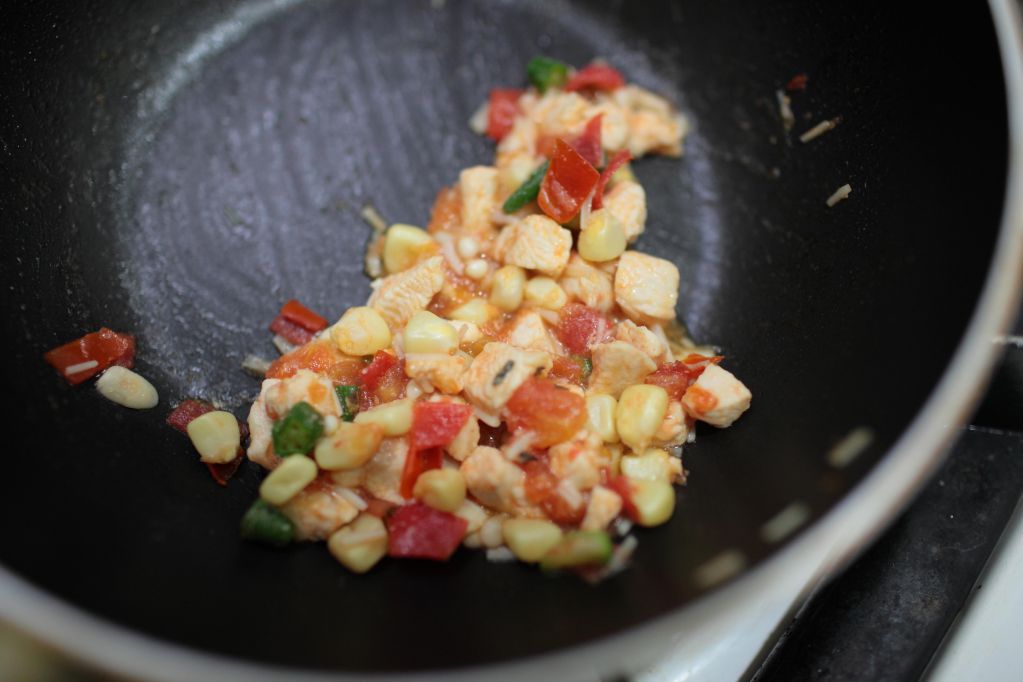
x,y
476,310
405,245
639,414
476,269
544,292
654,501
125,387
216,436
360,544
474,514
349,446
653,465
600,416
467,248
508,287
602,238
287,480
427,333
442,489
530,539
361,331
394,417
511,175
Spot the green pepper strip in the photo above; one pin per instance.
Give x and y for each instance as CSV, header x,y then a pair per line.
x,y
265,523
527,191
298,432
349,397
544,73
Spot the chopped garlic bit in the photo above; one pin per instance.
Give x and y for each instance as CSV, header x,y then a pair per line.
x,y
840,194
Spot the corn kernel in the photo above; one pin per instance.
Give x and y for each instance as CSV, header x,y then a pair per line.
x,y
600,416
544,292
530,539
216,436
125,387
474,514
602,238
361,331
360,544
654,501
427,333
467,248
653,465
491,535
287,480
394,417
476,310
442,489
614,454
404,246
512,174
476,269
349,447
639,414
507,288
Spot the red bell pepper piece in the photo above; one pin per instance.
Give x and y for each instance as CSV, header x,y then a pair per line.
x,y
189,409
595,77
105,348
616,162
501,112
291,332
588,144
417,531
416,462
569,180
437,424
295,312
798,82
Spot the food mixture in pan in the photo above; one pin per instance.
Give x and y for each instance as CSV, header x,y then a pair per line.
x,y
517,380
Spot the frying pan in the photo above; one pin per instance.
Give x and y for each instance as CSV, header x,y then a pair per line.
x,y
177,170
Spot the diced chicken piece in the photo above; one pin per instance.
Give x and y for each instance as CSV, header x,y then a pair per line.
x,y
444,372
399,296
618,365
626,200
635,98
261,430
646,287
348,478
535,243
382,474
561,114
305,386
498,371
496,482
717,397
605,504
516,155
528,332
588,284
673,429
318,511
641,338
614,124
468,332
478,186
579,460
653,132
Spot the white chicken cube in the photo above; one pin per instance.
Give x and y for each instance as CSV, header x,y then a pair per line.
x,y
642,339
494,481
579,460
560,114
304,386
618,365
614,124
498,371
646,287
318,511
478,186
528,332
261,430
588,284
401,295
673,429
381,476
535,243
626,200
717,397
604,505
444,372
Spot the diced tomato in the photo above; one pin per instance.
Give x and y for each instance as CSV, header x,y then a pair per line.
x,y
541,487
376,370
588,144
552,414
446,214
569,369
105,348
418,531
437,424
569,180
595,77
798,82
381,381
189,409
501,112
676,377
581,327
320,356
416,462
616,162
620,484
291,332
295,312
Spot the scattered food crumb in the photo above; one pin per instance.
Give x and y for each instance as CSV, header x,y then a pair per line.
x,y
820,129
785,109
797,82
841,193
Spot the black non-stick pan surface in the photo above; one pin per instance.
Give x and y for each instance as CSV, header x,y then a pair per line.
x,y
178,170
